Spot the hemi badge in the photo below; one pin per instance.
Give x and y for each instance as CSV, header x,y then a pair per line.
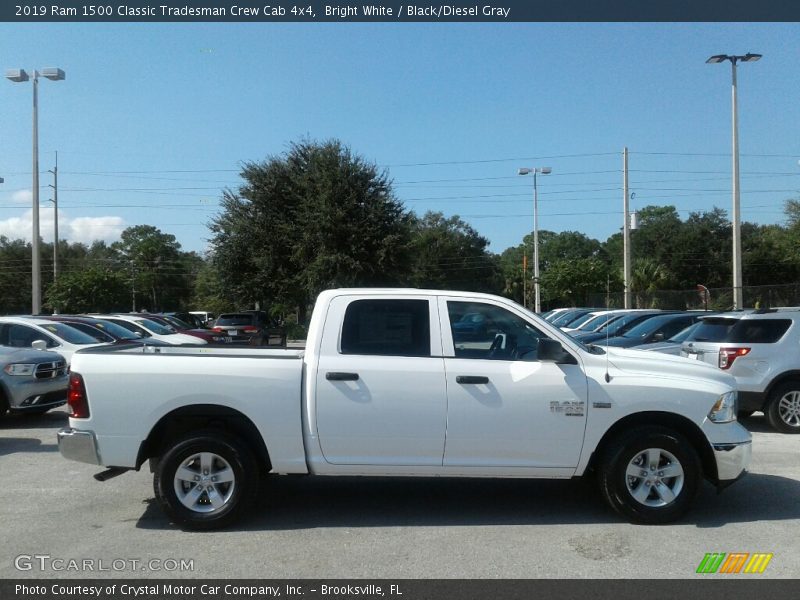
x,y
601,404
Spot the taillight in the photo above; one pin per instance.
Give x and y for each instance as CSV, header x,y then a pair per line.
x,y
217,329
76,397
728,355
250,328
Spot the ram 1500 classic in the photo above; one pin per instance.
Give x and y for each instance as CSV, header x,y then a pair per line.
x,y
390,384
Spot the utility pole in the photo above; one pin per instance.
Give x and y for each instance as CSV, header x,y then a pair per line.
x,y
524,279
133,287
626,230
54,185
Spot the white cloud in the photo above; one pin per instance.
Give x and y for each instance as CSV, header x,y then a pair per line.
x,y
22,196
81,229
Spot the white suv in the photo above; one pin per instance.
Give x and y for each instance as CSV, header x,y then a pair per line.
x,y
762,351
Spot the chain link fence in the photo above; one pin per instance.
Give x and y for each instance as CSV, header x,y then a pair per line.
x,y
759,296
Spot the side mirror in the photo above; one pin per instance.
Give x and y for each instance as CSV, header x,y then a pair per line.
x,y
659,337
39,345
552,350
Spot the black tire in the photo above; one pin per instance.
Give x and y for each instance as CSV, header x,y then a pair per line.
x,y
3,404
231,458
779,417
618,488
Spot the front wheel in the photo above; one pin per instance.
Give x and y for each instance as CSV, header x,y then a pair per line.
x,y
650,475
206,480
783,408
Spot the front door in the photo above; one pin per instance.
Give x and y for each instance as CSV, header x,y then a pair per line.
x,y
505,407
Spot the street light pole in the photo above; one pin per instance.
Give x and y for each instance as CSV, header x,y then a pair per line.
x,y
738,296
536,286
21,76
54,185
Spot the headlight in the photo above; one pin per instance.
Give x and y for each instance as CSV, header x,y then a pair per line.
x,y
20,369
724,409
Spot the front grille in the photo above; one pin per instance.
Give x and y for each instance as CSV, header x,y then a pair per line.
x,y
51,370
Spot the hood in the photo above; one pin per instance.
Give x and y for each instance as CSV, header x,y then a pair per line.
x,y
182,338
650,363
11,354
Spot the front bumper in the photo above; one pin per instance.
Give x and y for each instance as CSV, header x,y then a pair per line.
x,y
78,445
732,461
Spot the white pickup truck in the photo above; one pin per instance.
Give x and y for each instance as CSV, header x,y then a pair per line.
x,y
413,383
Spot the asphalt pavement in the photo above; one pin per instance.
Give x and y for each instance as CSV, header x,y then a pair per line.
x,y
331,527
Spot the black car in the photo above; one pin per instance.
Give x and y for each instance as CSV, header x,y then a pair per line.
x,y
240,326
655,329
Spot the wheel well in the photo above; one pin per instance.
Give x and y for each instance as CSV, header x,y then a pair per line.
x,y
203,416
662,419
780,380
4,406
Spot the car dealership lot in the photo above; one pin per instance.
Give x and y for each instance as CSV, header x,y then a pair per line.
x,y
384,528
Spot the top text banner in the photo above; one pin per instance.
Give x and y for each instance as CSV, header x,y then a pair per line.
x,y
453,11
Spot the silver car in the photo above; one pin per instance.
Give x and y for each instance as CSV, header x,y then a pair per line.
x,y
31,381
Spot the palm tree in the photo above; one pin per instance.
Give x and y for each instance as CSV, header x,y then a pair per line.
x,y
648,276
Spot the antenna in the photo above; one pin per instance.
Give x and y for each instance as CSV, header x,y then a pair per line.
x,y
608,377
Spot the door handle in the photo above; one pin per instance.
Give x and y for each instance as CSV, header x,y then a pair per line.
x,y
471,379
334,376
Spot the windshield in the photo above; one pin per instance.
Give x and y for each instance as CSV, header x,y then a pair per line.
x,y
69,334
646,328
618,325
684,334
97,334
576,324
117,331
599,321
154,327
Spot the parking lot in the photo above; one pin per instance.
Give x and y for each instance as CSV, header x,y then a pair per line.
x,y
310,527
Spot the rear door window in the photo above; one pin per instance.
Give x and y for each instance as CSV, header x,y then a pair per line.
x,y
387,328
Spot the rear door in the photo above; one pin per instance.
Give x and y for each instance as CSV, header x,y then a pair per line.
x,y
380,386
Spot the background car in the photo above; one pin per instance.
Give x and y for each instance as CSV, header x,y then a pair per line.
x,y
761,349
616,326
654,329
673,344
242,325
209,336
148,328
31,381
470,326
24,332
106,331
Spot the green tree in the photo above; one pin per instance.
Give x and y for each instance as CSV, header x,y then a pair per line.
x,y
647,276
315,217
95,289
447,253
158,267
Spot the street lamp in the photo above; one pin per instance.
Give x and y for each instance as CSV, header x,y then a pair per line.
x,y
21,76
534,171
738,297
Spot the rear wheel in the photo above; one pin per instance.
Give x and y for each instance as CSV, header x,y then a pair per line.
x,y
650,475
783,408
206,480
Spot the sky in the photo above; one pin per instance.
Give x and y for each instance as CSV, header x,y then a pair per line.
x,y
153,121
